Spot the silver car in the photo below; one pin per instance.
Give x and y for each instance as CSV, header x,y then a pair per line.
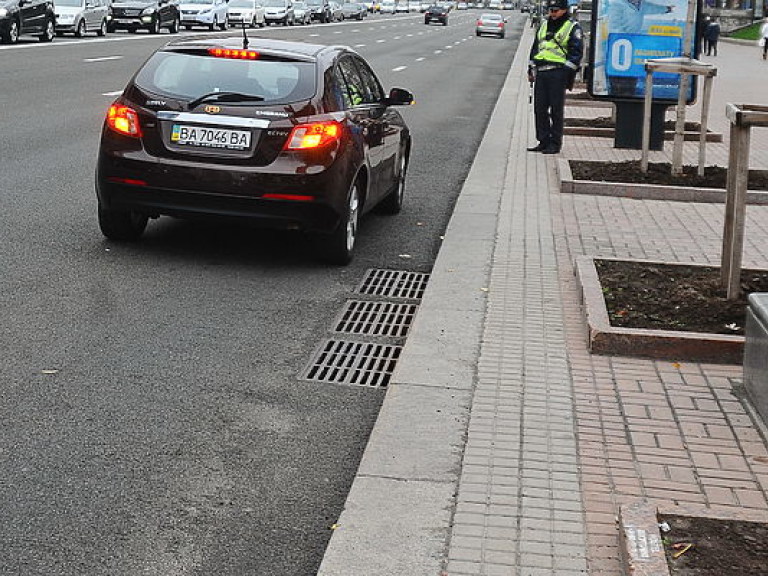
x,y
490,24
246,12
81,16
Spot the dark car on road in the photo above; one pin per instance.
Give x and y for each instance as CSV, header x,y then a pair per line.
x,y
152,15
281,134
320,10
352,11
436,14
19,17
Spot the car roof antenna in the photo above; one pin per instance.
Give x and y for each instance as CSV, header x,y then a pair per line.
x,y
245,37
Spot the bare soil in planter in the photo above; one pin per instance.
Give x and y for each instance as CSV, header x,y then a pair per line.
x,y
661,173
608,122
674,297
718,547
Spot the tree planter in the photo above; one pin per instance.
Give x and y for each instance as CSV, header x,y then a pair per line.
x,y
646,191
646,343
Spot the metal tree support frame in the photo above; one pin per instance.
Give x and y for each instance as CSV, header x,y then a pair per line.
x,y
743,117
685,67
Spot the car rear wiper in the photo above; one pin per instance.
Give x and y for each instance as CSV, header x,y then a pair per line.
x,y
225,97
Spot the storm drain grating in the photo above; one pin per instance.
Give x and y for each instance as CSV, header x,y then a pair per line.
x,y
373,318
393,284
353,363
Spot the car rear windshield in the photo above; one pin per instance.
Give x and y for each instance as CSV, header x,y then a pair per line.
x,y
490,17
188,76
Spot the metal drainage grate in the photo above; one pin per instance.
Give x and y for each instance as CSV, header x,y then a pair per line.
x,y
394,284
373,318
355,363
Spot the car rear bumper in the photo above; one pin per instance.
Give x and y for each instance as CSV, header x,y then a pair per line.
x,y
270,199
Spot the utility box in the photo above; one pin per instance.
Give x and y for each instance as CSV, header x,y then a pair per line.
x,y
756,353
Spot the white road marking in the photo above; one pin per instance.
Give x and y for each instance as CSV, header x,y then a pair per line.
x,y
399,68
102,59
419,59
397,37
380,41
438,51
359,45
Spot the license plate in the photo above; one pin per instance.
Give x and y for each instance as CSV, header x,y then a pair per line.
x,y
206,137
125,21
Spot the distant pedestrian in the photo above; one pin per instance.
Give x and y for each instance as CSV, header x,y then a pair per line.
x,y
764,37
703,23
712,35
555,58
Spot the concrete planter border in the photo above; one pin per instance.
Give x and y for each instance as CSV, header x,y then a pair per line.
x,y
647,191
606,132
645,343
641,540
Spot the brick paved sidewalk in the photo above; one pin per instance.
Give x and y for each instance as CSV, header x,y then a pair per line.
x,y
559,438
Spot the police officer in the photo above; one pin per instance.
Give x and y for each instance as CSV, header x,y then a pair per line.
x,y
555,58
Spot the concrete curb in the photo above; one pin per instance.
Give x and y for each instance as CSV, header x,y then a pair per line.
x,y
397,517
569,185
659,344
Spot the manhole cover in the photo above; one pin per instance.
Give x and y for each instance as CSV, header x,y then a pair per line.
x,y
394,284
353,363
374,318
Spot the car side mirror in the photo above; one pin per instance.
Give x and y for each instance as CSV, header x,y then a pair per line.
x,y
399,97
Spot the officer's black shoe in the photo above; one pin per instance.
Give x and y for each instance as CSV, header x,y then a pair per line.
x,y
551,150
540,147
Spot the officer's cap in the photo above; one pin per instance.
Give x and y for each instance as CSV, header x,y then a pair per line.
x,y
556,4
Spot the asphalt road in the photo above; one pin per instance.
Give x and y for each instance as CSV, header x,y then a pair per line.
x,y
152,419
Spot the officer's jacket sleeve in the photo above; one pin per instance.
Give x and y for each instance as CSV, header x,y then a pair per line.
x,y
575,48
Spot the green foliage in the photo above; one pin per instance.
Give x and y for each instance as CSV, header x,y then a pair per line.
x,y
751,32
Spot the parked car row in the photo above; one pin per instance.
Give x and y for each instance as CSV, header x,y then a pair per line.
x,y
49,18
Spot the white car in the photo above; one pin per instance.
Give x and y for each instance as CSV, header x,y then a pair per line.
x,y
387,7
402,7
248,12
209,13
81,16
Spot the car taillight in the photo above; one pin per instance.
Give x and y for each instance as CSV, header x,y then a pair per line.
x,y
501,24
315,135
233,53
124,120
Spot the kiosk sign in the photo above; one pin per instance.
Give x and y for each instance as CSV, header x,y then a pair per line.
x,y
626,33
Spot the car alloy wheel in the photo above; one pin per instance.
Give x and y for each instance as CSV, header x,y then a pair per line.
x,y
12,36
49,33
225,24
176,26
155,25
212,26
393,203
339,246
102,31
80,30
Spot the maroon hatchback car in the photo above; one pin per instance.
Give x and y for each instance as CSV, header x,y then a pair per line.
x,y
283,134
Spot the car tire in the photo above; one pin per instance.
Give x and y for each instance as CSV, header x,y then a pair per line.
x,y
155,26
186,27
49,33
212,26
338,247
102,31
393,203
175,25
12,35
80,29
122,225
262,23
477,34
252,23
111,29
445,23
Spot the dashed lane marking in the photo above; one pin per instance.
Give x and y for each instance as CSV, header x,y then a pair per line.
x,y
102,59
399,68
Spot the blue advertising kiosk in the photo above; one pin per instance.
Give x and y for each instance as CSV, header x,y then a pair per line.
x,y
626,33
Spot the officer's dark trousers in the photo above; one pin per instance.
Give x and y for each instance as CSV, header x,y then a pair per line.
x,y
549,105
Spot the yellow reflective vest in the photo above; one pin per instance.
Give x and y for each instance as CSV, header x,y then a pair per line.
x,y
555,49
